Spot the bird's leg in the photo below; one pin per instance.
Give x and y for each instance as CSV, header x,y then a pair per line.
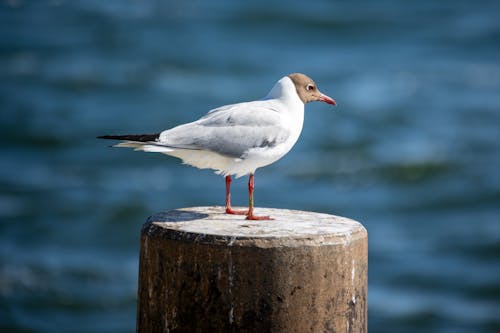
x,y
250,215
229,210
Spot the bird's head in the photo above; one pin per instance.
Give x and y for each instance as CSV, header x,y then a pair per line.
x,y
307,89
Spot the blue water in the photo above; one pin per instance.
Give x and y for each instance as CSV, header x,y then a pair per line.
x,y
412,150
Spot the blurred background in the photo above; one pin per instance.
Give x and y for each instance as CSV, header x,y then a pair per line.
x,y
412,150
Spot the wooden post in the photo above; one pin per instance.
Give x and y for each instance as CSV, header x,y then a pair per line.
x,y
204,271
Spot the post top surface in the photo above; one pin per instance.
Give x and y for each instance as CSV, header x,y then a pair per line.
x,y
212,222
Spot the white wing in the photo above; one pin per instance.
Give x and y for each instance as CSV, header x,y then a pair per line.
x,y
231,130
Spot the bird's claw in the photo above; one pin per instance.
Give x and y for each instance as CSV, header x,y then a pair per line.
x,y
236,212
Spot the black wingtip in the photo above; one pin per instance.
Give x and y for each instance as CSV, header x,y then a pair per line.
x,y
132,137
111,137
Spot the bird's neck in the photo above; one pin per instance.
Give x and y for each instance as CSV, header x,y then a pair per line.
x,y
285,91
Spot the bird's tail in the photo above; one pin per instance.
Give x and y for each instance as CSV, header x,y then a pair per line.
x,y
144,142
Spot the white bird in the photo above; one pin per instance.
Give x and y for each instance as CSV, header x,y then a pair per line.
x,y
237,139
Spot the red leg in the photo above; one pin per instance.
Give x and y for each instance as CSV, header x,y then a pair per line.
x,y
250,215
229,210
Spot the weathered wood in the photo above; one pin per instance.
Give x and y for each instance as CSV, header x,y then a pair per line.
x,y
204,271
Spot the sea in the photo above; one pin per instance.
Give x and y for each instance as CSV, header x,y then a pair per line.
x,y
412,150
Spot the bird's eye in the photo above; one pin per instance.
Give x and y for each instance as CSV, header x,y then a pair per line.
x,y
309,87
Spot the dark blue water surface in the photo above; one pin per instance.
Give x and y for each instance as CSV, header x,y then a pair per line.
x,y
412,150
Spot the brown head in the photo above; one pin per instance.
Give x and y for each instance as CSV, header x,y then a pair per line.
x,y
307,90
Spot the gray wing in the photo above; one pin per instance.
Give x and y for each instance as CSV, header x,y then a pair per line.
x,y
230,130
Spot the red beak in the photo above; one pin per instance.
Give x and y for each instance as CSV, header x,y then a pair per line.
x,y
326,99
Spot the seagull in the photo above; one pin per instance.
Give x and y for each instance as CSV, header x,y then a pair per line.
x,y
237,139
